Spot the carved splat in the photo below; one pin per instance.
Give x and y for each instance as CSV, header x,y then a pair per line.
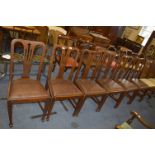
x,y
62,55
28,53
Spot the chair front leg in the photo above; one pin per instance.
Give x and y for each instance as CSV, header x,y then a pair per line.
x,y
45,110
49,108
104,97
9,105
79,106
132,97
118,101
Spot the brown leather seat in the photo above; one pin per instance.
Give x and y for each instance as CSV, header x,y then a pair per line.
x,y
90,87
110,85
63,88
139,84
27,89
127,85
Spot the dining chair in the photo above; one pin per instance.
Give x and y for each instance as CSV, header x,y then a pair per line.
x,y
134,115
132,81
59,83
148,77
124,79
26,89
111,70
85,78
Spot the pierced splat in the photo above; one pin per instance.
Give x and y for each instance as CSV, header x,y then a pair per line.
x,y
109,63
138,65
63,55
28,54
89,64
125,64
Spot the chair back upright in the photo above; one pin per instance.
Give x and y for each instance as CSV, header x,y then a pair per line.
x,y
89,64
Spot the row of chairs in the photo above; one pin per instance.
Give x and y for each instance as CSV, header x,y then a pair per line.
x,y
93,74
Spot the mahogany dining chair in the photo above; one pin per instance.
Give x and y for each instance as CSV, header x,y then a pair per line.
x,y
26,89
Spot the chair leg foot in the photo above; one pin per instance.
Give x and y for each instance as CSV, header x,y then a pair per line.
x,y
97,110
9,105
101,103
11,125
47,119
131,98
43,120
49,110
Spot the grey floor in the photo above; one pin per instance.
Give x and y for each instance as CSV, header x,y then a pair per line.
x,y
87,119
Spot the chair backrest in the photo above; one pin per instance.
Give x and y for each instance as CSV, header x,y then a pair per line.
x,y
89,64
109,64
29,48
130,67
115,66
61,55
151,73
137,67
125,64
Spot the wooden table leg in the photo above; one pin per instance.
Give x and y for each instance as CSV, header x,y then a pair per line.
x,y
1,40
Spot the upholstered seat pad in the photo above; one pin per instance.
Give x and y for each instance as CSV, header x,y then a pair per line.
x,y
110,85
139,83
152,80
26,89
90,87
124,125
64,88
128,85
148,82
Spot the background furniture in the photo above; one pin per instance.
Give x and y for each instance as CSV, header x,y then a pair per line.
x,y
135,47
43,37
54,32
100,40
149,49
22,32
111,32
